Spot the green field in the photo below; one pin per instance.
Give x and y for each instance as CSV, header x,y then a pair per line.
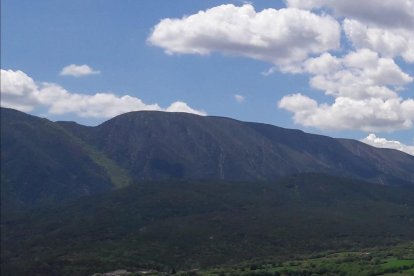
x,y
397,260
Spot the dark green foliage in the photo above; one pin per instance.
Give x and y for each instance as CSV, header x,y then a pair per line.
x,y
337,263
185,225
41,163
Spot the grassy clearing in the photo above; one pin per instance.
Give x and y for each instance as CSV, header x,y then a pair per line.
x,y
119,176
377,261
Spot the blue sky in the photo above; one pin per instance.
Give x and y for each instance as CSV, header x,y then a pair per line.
x,y
203,65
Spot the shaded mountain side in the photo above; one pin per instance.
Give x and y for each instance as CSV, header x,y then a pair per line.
x,y
195,224
42,162
392,167
158,145
346,157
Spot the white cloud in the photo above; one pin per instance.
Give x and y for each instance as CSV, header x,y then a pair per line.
x,y
180,106
386,13
378,142
324,64
387,41
19,91
78,70
298,103
16,90
281,37
364,87
385,26
364,83
372,114
358,75
239,98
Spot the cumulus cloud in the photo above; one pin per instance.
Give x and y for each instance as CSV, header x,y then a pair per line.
x,y
387,41
16,90
300,104
359,75
378,142
386,13
372,114
363,86
239,98
180,106
78,70
281,37
19,91
385,26
364,83
324,64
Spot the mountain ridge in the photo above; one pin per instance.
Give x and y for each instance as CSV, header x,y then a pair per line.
x,y
166,191
223,134
69,160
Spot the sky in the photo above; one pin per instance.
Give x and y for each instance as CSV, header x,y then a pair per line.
x,y
340,68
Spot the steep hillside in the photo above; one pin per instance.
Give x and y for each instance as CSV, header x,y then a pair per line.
x,y
157,145
45,161
42,162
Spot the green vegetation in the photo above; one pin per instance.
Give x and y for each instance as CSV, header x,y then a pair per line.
x,y
196,225
398,260
60,213
388,261
119,177
40,163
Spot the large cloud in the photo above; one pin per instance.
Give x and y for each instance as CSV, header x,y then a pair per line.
x,y
387,41
364,83
385,26
363,86
21,92
373,114
386,13
280,37
379,142
17,90
358,75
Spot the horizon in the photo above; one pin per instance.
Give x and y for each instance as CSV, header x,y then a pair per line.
x,y
211,116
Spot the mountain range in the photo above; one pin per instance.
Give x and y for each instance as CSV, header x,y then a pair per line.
x,y
46,161
165,191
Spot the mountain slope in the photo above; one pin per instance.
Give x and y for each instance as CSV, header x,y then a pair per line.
x,y
47,161
198,215
193,224
42,162
156,145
